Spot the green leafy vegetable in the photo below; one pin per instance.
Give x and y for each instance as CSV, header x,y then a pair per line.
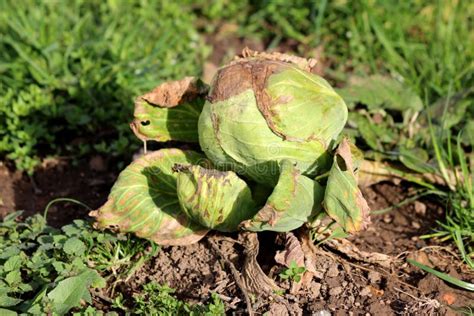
x,y
268,124
279,111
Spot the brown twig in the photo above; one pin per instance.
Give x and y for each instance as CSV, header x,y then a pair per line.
x,y
235,273
347,248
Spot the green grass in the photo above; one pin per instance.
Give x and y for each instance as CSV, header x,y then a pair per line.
x,y
69,71
427,43
459,202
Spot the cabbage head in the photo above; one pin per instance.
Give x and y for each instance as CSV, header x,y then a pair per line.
x,y
261,111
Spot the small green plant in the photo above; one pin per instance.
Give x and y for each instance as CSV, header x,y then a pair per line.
x,y
293,272
46,270
156,299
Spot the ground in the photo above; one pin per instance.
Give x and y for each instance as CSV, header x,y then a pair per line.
x,y
341,285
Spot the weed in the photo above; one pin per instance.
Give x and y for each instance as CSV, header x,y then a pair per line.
x,y
155,299
293,272
45,270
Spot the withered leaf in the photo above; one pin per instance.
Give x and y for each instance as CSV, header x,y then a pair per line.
x,y
144,200
343,199
292,253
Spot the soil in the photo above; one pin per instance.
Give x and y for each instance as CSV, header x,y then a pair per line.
x,y
88,182
341,286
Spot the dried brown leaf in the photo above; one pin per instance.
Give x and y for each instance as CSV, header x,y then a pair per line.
x,y
292,252
172,93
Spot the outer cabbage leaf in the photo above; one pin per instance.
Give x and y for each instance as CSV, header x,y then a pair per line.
x,y
215,199
343,200
294,200
144,200
170,112
304,106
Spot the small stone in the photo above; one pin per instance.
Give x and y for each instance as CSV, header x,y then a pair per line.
x,y
374,277
416,225
336,291
420,208
315,289
318,275
449,298
332,272
365,291
387,218
278,309
357,304
322,313
420,244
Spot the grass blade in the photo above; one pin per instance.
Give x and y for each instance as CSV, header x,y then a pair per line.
x,y
462,284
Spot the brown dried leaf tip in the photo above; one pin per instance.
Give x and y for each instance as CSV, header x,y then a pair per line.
x,y
172,93
292,252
